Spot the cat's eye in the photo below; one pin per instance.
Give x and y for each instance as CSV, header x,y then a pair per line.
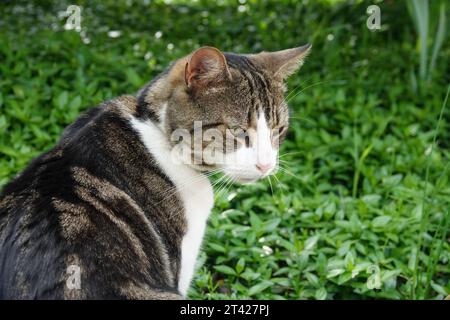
x,y
276,132
237,130
240,134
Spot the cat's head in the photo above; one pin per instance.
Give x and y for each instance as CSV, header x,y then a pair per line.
x,y
226,111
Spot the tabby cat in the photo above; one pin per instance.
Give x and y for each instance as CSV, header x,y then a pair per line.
x,y
108,213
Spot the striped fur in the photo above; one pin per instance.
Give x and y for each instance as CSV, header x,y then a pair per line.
x,y
103,200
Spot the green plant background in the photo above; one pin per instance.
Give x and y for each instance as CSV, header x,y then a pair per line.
x,y
361,208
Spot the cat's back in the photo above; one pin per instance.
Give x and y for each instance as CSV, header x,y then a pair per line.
x,y
82,204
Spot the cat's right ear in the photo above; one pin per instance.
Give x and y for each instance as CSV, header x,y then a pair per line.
x,y
205,66
282,64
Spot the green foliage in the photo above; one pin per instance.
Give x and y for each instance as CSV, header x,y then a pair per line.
x,y
360,208
431,34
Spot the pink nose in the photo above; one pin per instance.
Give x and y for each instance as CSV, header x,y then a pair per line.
x,y
264,168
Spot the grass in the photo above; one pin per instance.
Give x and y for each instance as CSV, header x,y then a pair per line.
x,y
360,207
424,222
420,14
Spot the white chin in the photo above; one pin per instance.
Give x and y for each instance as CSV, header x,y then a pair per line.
x,y
246,180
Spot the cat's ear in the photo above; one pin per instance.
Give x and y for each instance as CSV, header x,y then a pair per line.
x,y
283,63
205,65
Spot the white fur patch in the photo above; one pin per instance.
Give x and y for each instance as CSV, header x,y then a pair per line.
x,y
194,189
242,164
265,153
162,116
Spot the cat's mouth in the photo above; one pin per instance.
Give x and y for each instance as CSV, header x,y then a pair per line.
x,y
246,175
245,180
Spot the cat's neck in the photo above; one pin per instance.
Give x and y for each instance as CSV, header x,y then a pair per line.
x,y
151,104
152,98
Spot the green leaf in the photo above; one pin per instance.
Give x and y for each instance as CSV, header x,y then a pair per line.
x,y
271,225
371,199
381,221
61,100
18,91
217,247
392,181
335,272
321,294
255,221
75,103
287,245
9,151
250,275
225,270
439,289
349,260
240,265
310,243
259,287
345,277
438,39
133,77
312,279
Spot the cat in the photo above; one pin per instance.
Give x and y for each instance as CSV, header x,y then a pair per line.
x,y
112,212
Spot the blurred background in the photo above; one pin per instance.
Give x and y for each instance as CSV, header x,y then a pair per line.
x,y
360,207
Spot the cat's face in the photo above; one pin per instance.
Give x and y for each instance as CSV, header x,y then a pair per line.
x,y
229,113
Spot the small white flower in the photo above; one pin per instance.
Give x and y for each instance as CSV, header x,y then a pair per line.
x,y
114,33
267,250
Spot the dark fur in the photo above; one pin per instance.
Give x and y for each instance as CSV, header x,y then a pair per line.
x,y
36,248
98,199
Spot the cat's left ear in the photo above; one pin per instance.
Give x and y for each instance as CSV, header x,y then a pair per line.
x,y
205,66
283,63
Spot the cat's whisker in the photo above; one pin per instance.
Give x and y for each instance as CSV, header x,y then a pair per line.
x,y
279,184
285,164
175,189
289,173
229,184
215,183
310,86
289,153
297,87
302,118
271,189
222,186
219,182
307,87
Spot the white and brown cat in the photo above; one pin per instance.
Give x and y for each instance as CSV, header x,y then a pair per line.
x,y
110,198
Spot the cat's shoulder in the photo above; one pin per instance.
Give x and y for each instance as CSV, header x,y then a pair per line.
x,y
122,106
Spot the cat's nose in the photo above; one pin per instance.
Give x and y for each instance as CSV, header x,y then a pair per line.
x,y
264,167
